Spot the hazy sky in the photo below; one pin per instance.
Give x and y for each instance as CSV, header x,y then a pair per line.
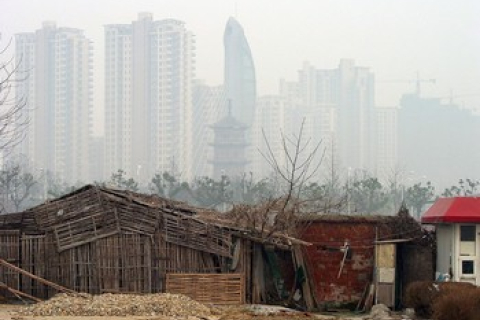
x,y
438,38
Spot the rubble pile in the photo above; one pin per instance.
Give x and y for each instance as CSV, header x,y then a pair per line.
x,y
165,304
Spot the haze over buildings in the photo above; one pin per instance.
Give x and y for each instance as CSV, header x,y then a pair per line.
x,y
149,71
240,83
59,99
437,141
337,109
154,114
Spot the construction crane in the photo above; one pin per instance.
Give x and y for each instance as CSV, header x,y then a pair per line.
x,y
452,96
417,82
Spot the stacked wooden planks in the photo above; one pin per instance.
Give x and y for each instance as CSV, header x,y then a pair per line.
x,y
222,289
196,234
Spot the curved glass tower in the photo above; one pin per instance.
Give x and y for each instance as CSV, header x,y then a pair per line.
x,y
240,84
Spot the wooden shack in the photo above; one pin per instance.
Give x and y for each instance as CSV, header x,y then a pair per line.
x,y
98,240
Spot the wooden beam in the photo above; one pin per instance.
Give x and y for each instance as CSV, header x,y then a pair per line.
x,y
34,277
18,293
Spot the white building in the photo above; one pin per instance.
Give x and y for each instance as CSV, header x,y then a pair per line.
x,y
457,226
58,62
149,68
339,112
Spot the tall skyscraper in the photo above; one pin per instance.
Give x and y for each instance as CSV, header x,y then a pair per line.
x,y
355,115
149,69
58,88
338,111
239,81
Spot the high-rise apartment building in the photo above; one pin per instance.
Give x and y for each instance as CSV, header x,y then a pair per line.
x,y
58,88
149,69
355,115
336,107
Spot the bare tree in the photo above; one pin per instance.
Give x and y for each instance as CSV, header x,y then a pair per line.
x,y
14,117
395,186
16,187
327,196
301,160
300,165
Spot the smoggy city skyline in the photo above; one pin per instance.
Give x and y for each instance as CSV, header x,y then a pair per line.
x,y
157,83
397,39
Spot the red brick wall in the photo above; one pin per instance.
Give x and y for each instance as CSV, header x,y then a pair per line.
x,y
324,261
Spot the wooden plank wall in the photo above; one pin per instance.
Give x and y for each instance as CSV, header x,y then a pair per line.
x,y
120,263
10,251
78,231
193,233
208,288
127,262
172,258
34,260
76,205
244,265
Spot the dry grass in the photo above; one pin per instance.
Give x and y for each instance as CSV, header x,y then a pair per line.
x,y
420,296
462,303
427,298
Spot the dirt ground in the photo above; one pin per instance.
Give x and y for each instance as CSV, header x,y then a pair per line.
x,y
8,312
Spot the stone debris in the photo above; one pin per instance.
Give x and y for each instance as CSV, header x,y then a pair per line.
x,y
379,312
159,304
382,312
176,306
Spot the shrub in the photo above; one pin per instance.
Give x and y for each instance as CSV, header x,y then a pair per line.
x,y
460,304
448,287
422,295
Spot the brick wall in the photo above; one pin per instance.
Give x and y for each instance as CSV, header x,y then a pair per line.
x,y
324,259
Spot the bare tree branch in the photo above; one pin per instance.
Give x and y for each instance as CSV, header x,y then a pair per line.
x,y
14,114
300,164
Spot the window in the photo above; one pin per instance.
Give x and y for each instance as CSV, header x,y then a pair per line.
x,y
467,240
467,233
467,267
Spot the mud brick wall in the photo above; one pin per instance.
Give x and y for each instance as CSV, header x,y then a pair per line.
x,y
324,259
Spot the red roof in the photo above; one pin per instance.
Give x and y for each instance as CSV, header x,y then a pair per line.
x,y
454,210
